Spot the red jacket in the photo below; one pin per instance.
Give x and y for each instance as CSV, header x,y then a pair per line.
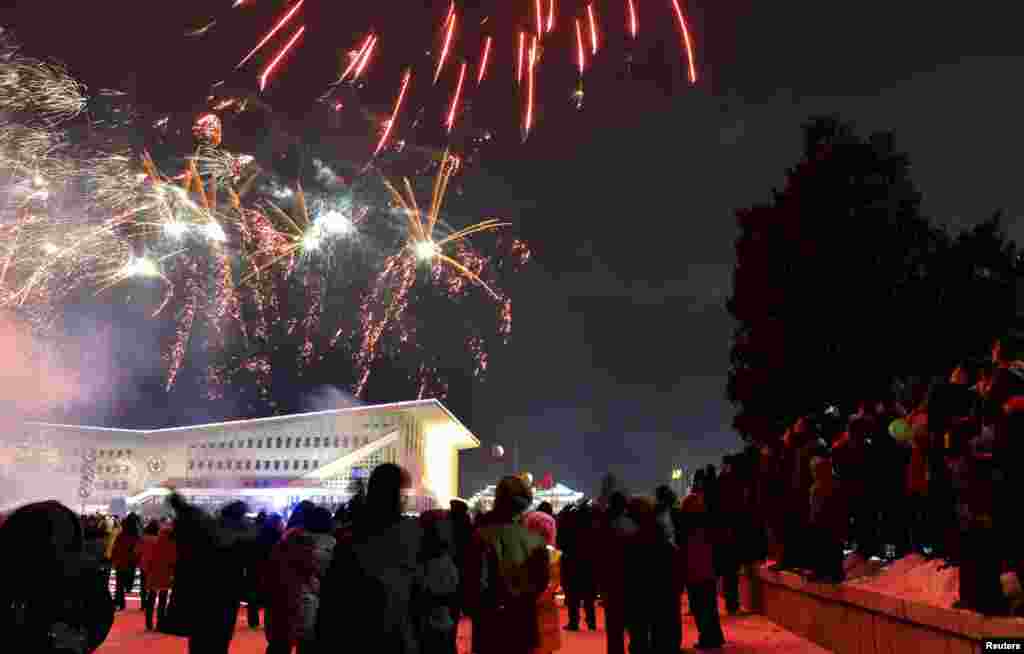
x,y
125,552
158,558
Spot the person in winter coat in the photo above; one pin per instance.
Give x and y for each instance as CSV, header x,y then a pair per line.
x,y
543,524
851,457
577,543
507,571
52,599
652,591
292,582
700,572
615,534
462,534
213,556
270,531
124,558
157,560
375,574
828,520
800,448
440,584
733,526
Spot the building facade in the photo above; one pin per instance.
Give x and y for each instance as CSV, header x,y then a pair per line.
x,y
269,462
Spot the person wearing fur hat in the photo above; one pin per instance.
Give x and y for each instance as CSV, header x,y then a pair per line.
x,y
507,570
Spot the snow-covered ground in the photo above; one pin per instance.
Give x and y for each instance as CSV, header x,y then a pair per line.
x,y
912,578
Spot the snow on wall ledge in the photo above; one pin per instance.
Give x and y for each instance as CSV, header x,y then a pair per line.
x,y
852,619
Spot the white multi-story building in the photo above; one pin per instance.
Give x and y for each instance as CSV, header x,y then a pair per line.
x,y
269,462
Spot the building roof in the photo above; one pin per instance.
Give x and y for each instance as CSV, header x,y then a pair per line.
x,y
430,411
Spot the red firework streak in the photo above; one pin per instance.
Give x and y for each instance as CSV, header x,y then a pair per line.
x,y
456,97
273,64
688,45
540,16
519,59
365,59
281,23
580,56
528,119
593,29
551,15
483,60
634,25
449,32
394,113
370,38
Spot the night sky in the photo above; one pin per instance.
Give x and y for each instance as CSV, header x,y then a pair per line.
x,y
620,342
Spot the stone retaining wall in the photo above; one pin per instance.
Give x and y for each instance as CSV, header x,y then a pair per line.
x,y
850,620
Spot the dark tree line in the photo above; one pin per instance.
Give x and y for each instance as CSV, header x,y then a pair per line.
x,y
843,289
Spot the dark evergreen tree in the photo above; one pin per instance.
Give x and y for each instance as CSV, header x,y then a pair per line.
x,y
821,275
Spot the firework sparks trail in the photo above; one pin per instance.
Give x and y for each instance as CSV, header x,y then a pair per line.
x,y
394,113
273,64
691,68
179,347
356,58
365,59
528,120
456,97
634,25
277,28
420,247
539,11
593,29
551,16
449,33
521,57
483,61
138,223
581,60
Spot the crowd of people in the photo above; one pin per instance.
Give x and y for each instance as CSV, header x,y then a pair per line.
x,y
932,471
369,571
